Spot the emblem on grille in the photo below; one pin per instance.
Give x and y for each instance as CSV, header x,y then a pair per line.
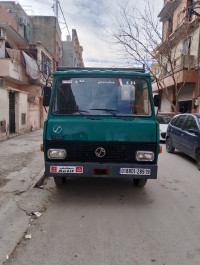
x,y
57,129
100,152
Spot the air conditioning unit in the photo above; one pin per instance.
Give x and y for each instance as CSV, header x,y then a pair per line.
x,y
196,102
2,34
23,21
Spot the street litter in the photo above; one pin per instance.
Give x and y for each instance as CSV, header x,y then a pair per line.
x,y
7,257
28,236
37,214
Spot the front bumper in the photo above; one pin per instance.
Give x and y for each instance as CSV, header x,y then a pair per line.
x,y
107,170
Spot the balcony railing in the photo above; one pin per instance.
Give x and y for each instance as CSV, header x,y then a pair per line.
x,y
184,62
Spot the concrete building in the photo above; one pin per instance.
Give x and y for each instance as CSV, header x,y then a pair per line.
x,y
30,51
46,30
72,51
24,67
181,34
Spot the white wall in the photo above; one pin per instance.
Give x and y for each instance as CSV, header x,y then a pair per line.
x,y
21,107
34,117
4,111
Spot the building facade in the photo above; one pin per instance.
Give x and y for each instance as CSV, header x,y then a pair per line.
x,y
24,67
46,30
30,50
179,57
72,51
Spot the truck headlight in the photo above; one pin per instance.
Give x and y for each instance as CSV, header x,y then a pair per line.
x,y
56,153
144,156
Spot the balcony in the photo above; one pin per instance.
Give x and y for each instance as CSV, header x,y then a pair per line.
x,y
184,62
184,76
13,71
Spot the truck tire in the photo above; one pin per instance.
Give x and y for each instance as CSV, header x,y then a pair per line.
x,y
169,146
59,181
139,182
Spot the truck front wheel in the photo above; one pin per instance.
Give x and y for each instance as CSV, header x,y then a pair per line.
x,y
59,181
139,182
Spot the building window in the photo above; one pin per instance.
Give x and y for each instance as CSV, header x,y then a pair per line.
x,y
45,64
186,46
170,27
27,32
23,118
75,63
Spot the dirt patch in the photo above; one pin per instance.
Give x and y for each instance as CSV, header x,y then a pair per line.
x,y
17,162
3,182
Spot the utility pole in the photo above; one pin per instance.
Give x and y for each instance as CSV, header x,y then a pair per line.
x,y
55,7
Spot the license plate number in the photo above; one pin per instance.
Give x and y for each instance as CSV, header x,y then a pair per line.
x,y
135,171
66,169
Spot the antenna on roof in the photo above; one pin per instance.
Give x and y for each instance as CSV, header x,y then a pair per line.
x,y
55,7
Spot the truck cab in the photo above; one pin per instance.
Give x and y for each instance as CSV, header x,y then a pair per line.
x,y
100,123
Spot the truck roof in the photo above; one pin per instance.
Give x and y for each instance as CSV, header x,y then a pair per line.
x,y
142,70
107,71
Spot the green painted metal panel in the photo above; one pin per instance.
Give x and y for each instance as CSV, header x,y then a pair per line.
x,y
105,129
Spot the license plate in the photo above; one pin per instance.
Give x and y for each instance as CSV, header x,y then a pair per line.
x,y
65,169
135,171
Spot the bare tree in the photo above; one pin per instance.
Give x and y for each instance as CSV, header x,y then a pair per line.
x,y
139,38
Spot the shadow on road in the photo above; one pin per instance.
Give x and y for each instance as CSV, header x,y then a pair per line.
x,y
110,192
185,157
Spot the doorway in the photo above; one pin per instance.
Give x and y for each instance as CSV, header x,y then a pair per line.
x,y
12,112
185,106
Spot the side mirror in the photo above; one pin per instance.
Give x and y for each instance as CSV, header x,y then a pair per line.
x,y
193,131
156,101
47,96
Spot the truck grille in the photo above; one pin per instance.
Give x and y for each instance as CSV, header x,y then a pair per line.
x,y
116,152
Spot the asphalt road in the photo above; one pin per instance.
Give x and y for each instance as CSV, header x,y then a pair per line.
x,y
111,222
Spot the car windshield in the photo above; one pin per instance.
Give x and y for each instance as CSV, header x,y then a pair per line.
x,y
163,119
101,96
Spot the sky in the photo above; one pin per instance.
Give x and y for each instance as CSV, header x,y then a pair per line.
x,y
91,19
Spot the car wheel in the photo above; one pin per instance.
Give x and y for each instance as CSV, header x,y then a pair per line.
x,y
169,146
198,160
139,182
59,181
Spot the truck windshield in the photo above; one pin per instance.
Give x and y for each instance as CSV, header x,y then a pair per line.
x,y
101,96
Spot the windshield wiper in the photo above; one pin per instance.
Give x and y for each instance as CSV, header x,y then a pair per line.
x,y
113,114
109,111
81,112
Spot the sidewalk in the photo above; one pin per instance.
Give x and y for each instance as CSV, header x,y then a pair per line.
x,y
21,166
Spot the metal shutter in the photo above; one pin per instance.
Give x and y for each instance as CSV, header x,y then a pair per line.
x,y
186,93
165,104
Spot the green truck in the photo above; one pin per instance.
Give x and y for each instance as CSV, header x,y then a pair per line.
x,y
101,123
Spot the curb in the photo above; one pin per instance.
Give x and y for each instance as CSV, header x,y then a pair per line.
x,y
39,179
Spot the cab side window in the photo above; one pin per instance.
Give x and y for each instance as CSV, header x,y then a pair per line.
x,y
179,122
190,124
172,122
